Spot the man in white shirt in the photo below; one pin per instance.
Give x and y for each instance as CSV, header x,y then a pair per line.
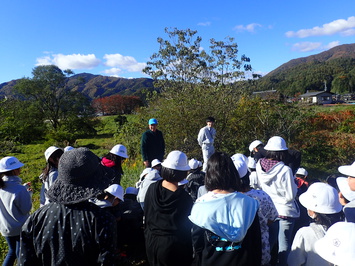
x,y
206,139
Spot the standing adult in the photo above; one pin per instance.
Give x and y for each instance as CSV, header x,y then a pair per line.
x,y
15,206
277,180
205,139
152,143
70,230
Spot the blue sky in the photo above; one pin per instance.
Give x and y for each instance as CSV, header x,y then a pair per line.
x,y
117,37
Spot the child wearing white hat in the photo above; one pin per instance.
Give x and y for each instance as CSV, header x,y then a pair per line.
x,y
323,206
15,205
166,209
347,188
114,160
337,246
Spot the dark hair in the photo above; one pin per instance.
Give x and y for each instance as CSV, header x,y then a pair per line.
x,y
118,161
328,220
172,175
210,119
280,156
2,183
51,163
245,183
221,173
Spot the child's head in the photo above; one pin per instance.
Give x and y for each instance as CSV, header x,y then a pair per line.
x,y
337,246
349,171
322,203
114,194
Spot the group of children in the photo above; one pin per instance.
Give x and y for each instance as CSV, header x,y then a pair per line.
x,y
240,211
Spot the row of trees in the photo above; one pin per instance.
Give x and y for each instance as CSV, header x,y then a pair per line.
x,y
116,104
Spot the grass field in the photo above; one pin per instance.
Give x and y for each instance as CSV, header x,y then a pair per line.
x,y
33,158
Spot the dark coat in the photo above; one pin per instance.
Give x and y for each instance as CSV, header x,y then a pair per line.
x,y
152,145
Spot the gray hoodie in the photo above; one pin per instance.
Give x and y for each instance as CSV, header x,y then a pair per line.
x,y
279,184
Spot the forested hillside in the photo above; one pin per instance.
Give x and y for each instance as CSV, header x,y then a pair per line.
x,y
334,69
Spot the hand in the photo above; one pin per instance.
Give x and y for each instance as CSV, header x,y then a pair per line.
x,y
146,164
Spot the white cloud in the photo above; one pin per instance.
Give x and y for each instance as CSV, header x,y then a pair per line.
x,y
313,46
250,27
341,26
205,24
114,72
125,63
73,61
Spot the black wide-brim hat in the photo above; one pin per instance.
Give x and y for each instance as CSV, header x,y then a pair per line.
x,y
81,176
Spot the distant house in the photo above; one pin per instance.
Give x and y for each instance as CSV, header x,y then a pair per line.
x,y
317,97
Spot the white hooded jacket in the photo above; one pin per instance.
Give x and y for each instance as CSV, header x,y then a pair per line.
x,y
279,184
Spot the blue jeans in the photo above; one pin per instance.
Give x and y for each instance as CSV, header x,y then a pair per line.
x,y
285,238
14,247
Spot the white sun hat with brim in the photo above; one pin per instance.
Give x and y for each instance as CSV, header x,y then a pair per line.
x,y
49,151
9,163
322,198
194,164
240,162
348,170
176,160
119,150
302,171
276,143
155,162
68,148
337,246
145,172
254,144
344,188
115,190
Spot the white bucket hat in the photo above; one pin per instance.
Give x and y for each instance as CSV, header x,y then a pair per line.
x,y
176,160
302,171
155,162
145,172
322,198
49,151
348,170
194,164
276,143
115,190
241,163
119,150
254,144
344,188
68,148
337,246
9,163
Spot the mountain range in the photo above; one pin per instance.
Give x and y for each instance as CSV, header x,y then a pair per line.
x,y
334,68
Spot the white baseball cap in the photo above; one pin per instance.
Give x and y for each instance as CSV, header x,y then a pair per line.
x,y
344,188
155,162
176,160
302,171
348,170
276,143
9,163
115,190
241,163
119,150
49,151
322,198
254,144
337,246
